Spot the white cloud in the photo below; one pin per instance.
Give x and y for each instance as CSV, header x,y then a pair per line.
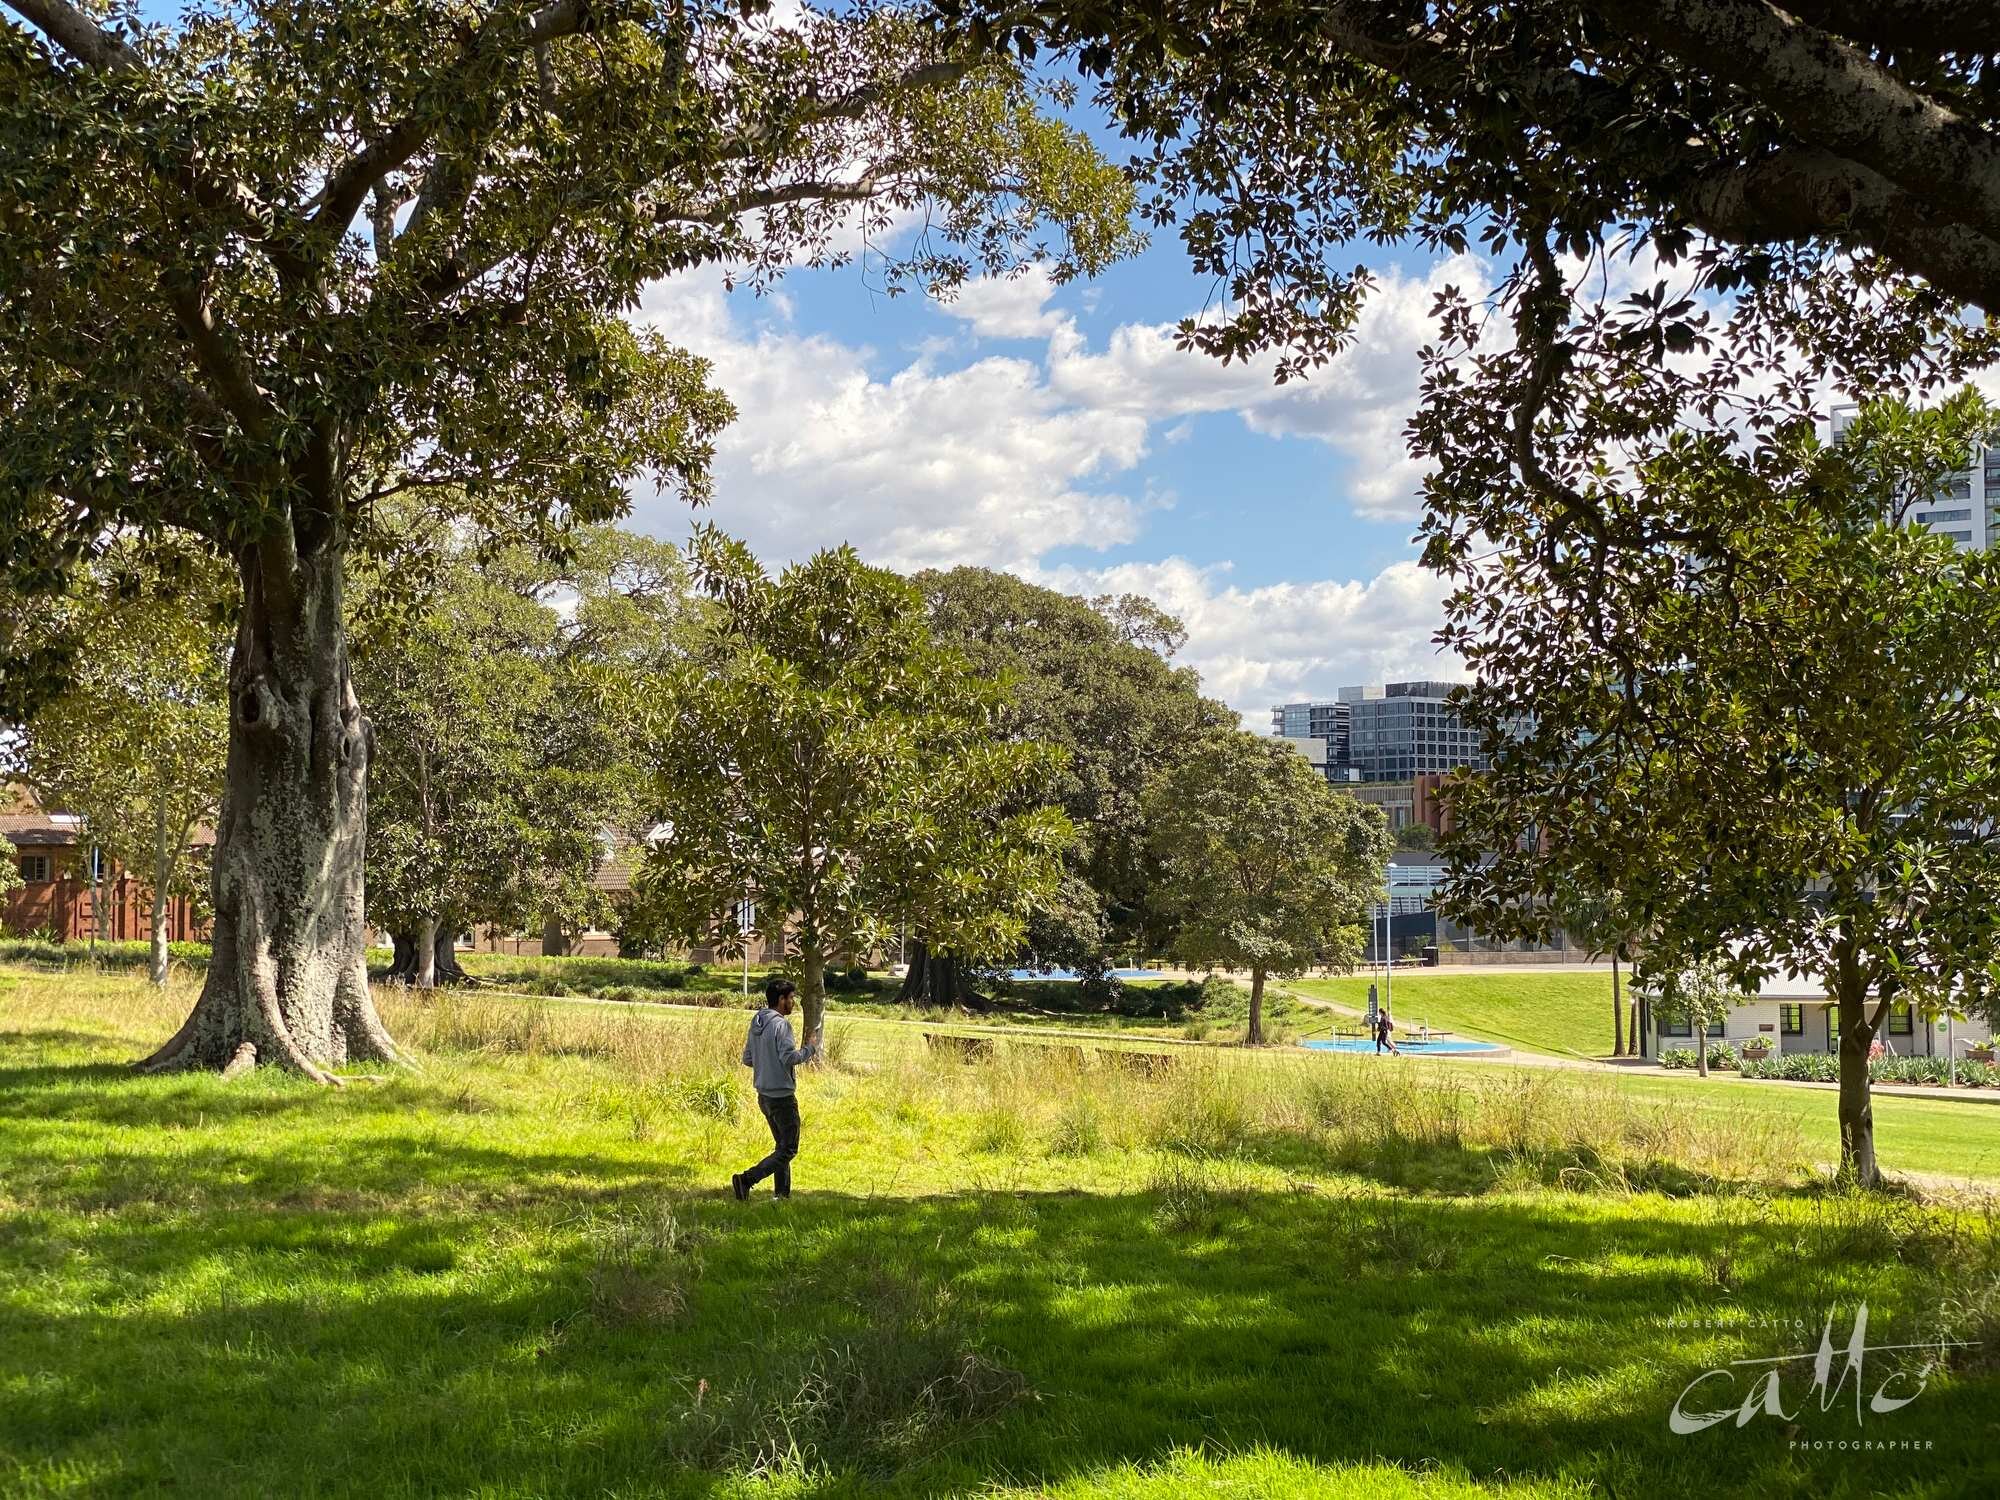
x,y
929,465
1356,404
1284,642
927,460
1008,307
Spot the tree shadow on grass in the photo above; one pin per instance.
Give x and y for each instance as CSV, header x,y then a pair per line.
x,y
655,1340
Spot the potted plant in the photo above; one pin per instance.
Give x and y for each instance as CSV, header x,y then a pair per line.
x,y
1756,1049
1979,1052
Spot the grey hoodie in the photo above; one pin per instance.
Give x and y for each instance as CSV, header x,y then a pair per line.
x,y
769,1052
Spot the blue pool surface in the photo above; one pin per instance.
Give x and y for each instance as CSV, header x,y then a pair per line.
x,y
1068,976
1439,1047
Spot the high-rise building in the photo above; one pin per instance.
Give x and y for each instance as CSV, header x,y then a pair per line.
x,y
1324,720
1967,509
1393,732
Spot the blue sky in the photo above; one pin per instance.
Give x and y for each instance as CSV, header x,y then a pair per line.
x,y
1057,433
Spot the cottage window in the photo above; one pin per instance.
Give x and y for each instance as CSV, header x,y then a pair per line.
x,y
1900,1018
34,867
1792,1020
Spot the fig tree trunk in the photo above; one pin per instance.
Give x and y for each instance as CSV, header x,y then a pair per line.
x,y
937,979
555,940
287,978
1617,1013
1857,1108
446,968
1256,1038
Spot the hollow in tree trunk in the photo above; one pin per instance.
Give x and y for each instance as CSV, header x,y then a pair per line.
x,y
938,979
287,978
1857,1109
1256,1037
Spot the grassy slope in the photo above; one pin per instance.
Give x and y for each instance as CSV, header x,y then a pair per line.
x,y
513,1276
1563,1013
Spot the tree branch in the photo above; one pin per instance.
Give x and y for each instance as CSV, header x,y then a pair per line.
x,y
349,183
78,35
859,190
225,365
1906,26
1803,192
1829,94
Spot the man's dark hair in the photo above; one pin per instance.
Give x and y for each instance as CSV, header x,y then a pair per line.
x,y
776,990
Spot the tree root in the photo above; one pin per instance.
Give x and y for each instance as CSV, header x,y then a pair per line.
x,y
244,1059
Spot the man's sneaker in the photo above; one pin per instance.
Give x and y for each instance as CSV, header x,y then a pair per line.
x,y
739,1187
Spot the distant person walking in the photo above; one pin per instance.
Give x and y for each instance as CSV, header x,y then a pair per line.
x,y
1385,1025
769,1053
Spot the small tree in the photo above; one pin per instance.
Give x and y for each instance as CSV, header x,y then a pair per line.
x,y
1698,993
1772,739
823,753
1264,865
1593,919
10,866
136,740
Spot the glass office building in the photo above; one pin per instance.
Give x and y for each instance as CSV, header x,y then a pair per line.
x,y
1393,732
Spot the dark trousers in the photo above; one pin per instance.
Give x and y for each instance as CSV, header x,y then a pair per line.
x,y
781,1113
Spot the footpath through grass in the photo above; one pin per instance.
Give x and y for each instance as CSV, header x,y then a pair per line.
x,y
1049,1272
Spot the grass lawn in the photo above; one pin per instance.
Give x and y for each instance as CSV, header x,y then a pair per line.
x,y
515,1274
1561,1013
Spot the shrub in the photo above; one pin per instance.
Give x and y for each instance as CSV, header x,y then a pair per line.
x,y
1677,1057
1799,1067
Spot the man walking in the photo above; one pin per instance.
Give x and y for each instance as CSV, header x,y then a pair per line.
x,y
769,1053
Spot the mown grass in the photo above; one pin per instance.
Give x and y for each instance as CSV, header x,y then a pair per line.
x,y
1560,1013
1042,1271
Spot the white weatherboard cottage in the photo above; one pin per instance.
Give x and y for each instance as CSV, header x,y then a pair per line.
x,y
1797,1013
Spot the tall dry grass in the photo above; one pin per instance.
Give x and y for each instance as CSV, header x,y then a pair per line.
x,y
1424,1125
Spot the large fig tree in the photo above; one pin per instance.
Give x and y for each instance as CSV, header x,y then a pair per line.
x,y
263,268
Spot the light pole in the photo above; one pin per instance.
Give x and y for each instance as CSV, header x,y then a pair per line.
x,y
1389,944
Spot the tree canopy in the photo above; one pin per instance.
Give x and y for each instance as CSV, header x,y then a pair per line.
x,y
505,762
135,739
274,266
822,753
1095,677
1784,757
1265,866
